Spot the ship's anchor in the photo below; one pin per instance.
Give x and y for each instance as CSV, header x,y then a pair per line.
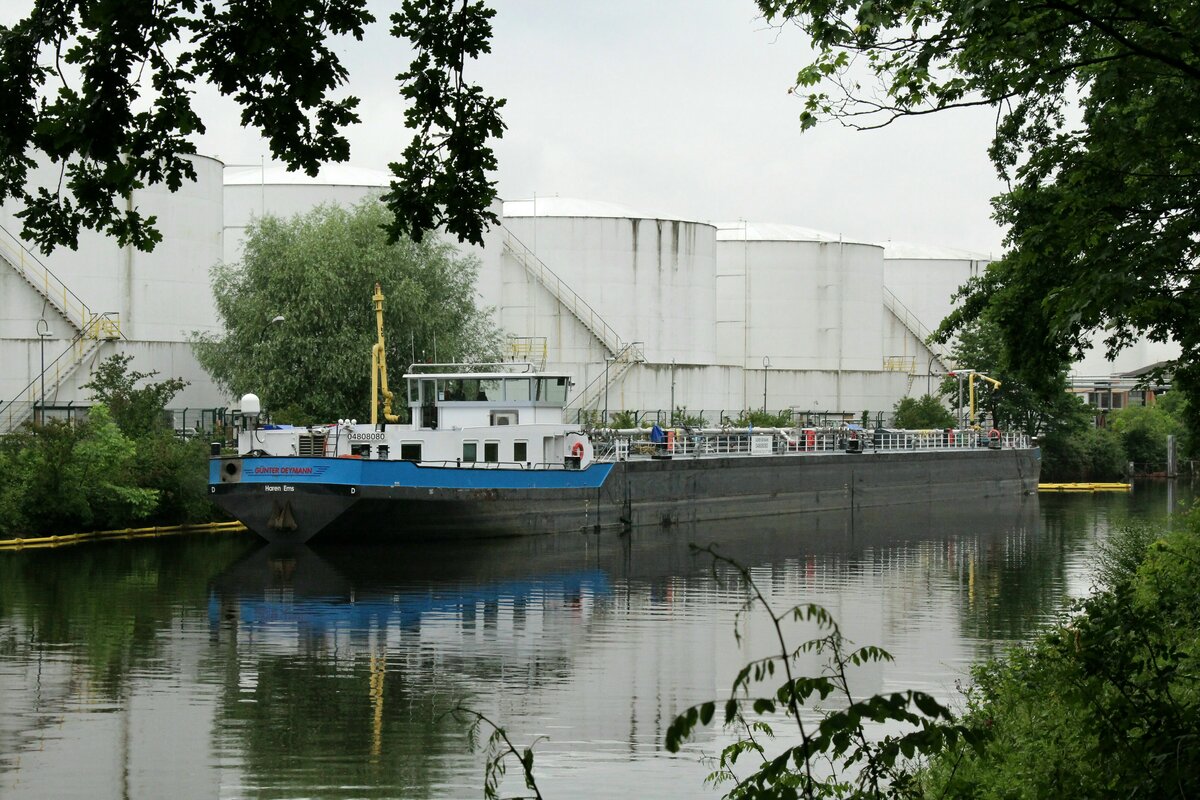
x,y
281,517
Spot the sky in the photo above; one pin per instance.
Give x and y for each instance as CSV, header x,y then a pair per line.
x,y
676,108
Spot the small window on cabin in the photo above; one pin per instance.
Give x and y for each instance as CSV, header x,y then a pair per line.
x,y
520,451
516,389
491,390
414,393
470,451
410,451
491,452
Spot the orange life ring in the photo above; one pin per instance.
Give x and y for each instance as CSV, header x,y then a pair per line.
x,y
994,434
577,450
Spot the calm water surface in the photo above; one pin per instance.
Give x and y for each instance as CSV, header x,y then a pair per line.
x,y
216,668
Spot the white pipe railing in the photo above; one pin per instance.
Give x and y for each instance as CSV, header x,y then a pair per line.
x,y
617,444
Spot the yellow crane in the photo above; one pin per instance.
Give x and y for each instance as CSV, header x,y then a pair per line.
x,y
971,375
379,383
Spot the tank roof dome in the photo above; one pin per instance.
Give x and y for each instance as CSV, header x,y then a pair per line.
x,y
578,207
330,175
915,251
775,232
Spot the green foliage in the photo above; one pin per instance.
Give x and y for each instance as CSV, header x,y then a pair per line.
x,y
497,752
836,757
112,135
1090,454
624,419
444,178
923,414
129,122
177,470
1094,103
1144,431
136,411
763,419
688,420
120,467
66,478
318,272
1107,704
1037,409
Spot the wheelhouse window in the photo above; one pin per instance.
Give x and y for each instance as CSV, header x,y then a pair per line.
x,y
470,451
520,451
491,452
516,389
410,451
491,390
552,390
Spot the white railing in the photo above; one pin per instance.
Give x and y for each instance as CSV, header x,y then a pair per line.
x,y
563,293
614,445
589,396
916,328
45,282
99,327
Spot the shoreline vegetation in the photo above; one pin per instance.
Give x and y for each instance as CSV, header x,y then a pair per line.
x,y
1103,704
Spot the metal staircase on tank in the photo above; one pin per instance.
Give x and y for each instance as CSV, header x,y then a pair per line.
x,y
90,329
914,326
622,355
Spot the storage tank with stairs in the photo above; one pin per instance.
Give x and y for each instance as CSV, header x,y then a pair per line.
x,y
70,308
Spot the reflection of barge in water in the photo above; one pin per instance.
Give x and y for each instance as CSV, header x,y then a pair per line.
x,y
487,453
366,586
507,465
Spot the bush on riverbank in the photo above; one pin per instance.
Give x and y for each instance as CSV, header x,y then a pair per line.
x,y
121,467
1107,704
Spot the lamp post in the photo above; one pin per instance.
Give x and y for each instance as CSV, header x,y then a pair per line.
x,y
43,331
766,366
607,361
672,393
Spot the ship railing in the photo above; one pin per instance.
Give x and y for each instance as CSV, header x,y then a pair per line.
x,y
513,465
621,444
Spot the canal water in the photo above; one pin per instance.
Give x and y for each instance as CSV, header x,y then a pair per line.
x,y
213,667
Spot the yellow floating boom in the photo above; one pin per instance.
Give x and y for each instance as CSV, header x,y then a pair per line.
x,y
120,533
1085,487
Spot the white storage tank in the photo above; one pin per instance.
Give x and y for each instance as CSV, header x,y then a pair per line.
x,y
808,300
651,279
925,277
162,295
252,191
159,297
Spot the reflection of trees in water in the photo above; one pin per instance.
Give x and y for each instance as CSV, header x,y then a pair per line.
x,y
76,623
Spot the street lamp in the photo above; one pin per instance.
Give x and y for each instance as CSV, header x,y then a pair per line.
x,y
43,331
766,366
672,393
607,360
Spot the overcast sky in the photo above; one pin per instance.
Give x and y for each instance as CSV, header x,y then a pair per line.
x,y
677,108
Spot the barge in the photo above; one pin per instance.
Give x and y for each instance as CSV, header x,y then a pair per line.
x,y
485,451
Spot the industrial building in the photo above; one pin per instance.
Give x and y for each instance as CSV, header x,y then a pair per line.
x,y
647,312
